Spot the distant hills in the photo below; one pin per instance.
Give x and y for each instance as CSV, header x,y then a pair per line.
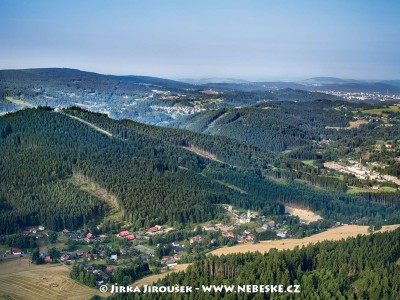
x,y
160,101
317,84
145,99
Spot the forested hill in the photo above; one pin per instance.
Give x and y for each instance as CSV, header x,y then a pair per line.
x,y
365,267
145,99
283,125
157,175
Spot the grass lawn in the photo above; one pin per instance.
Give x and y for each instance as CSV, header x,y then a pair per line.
x,y
309,162
379,111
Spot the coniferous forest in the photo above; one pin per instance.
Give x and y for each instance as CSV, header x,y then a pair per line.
x,y
153,172
365,267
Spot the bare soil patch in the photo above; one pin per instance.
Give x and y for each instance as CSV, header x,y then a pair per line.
x,y
305,215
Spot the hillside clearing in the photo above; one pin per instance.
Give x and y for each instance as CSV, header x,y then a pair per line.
x,y
88,185
352,124
332,234
89,124
231,186
19,102
305,215
202,153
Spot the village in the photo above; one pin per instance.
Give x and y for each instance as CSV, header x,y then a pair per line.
x,y
102,252
363,172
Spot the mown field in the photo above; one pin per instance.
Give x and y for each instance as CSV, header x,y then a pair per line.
x,y
21,280
332,234
153,278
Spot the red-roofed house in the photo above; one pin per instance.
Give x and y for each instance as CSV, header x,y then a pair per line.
x,y
228,234
33,230
130,237
89,235
154,229
65,231
247,231
16,251
48,259
124,233
25,232
196,239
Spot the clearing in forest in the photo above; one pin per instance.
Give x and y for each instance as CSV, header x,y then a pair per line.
x,y
89,124
305,215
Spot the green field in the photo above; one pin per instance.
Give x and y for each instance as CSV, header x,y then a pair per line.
x,y
309,162
379,111
355,190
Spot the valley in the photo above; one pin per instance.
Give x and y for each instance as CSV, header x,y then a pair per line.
x,y
100,198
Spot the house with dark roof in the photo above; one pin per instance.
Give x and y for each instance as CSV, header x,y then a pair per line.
x,y
16,251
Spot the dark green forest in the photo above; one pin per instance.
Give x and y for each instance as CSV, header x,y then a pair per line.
x,y
365,267
150,170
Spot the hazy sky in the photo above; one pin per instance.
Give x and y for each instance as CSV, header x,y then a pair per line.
x,y
256,40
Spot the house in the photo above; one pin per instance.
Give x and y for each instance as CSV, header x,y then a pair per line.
x,y
65,231
196,239
241,240
33,230
282,235
210,227
102,237
178,249
165,257
91,256
80,252
75,236
41,227
114,257
48,259
176,244
123,233
178,256
153,230
247,231
265,226
109,270
89,235
211,242
249,238
171,262
229,234
16,251
25,232
43,254
130,237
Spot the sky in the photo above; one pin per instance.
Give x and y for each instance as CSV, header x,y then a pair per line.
x,y
252,40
